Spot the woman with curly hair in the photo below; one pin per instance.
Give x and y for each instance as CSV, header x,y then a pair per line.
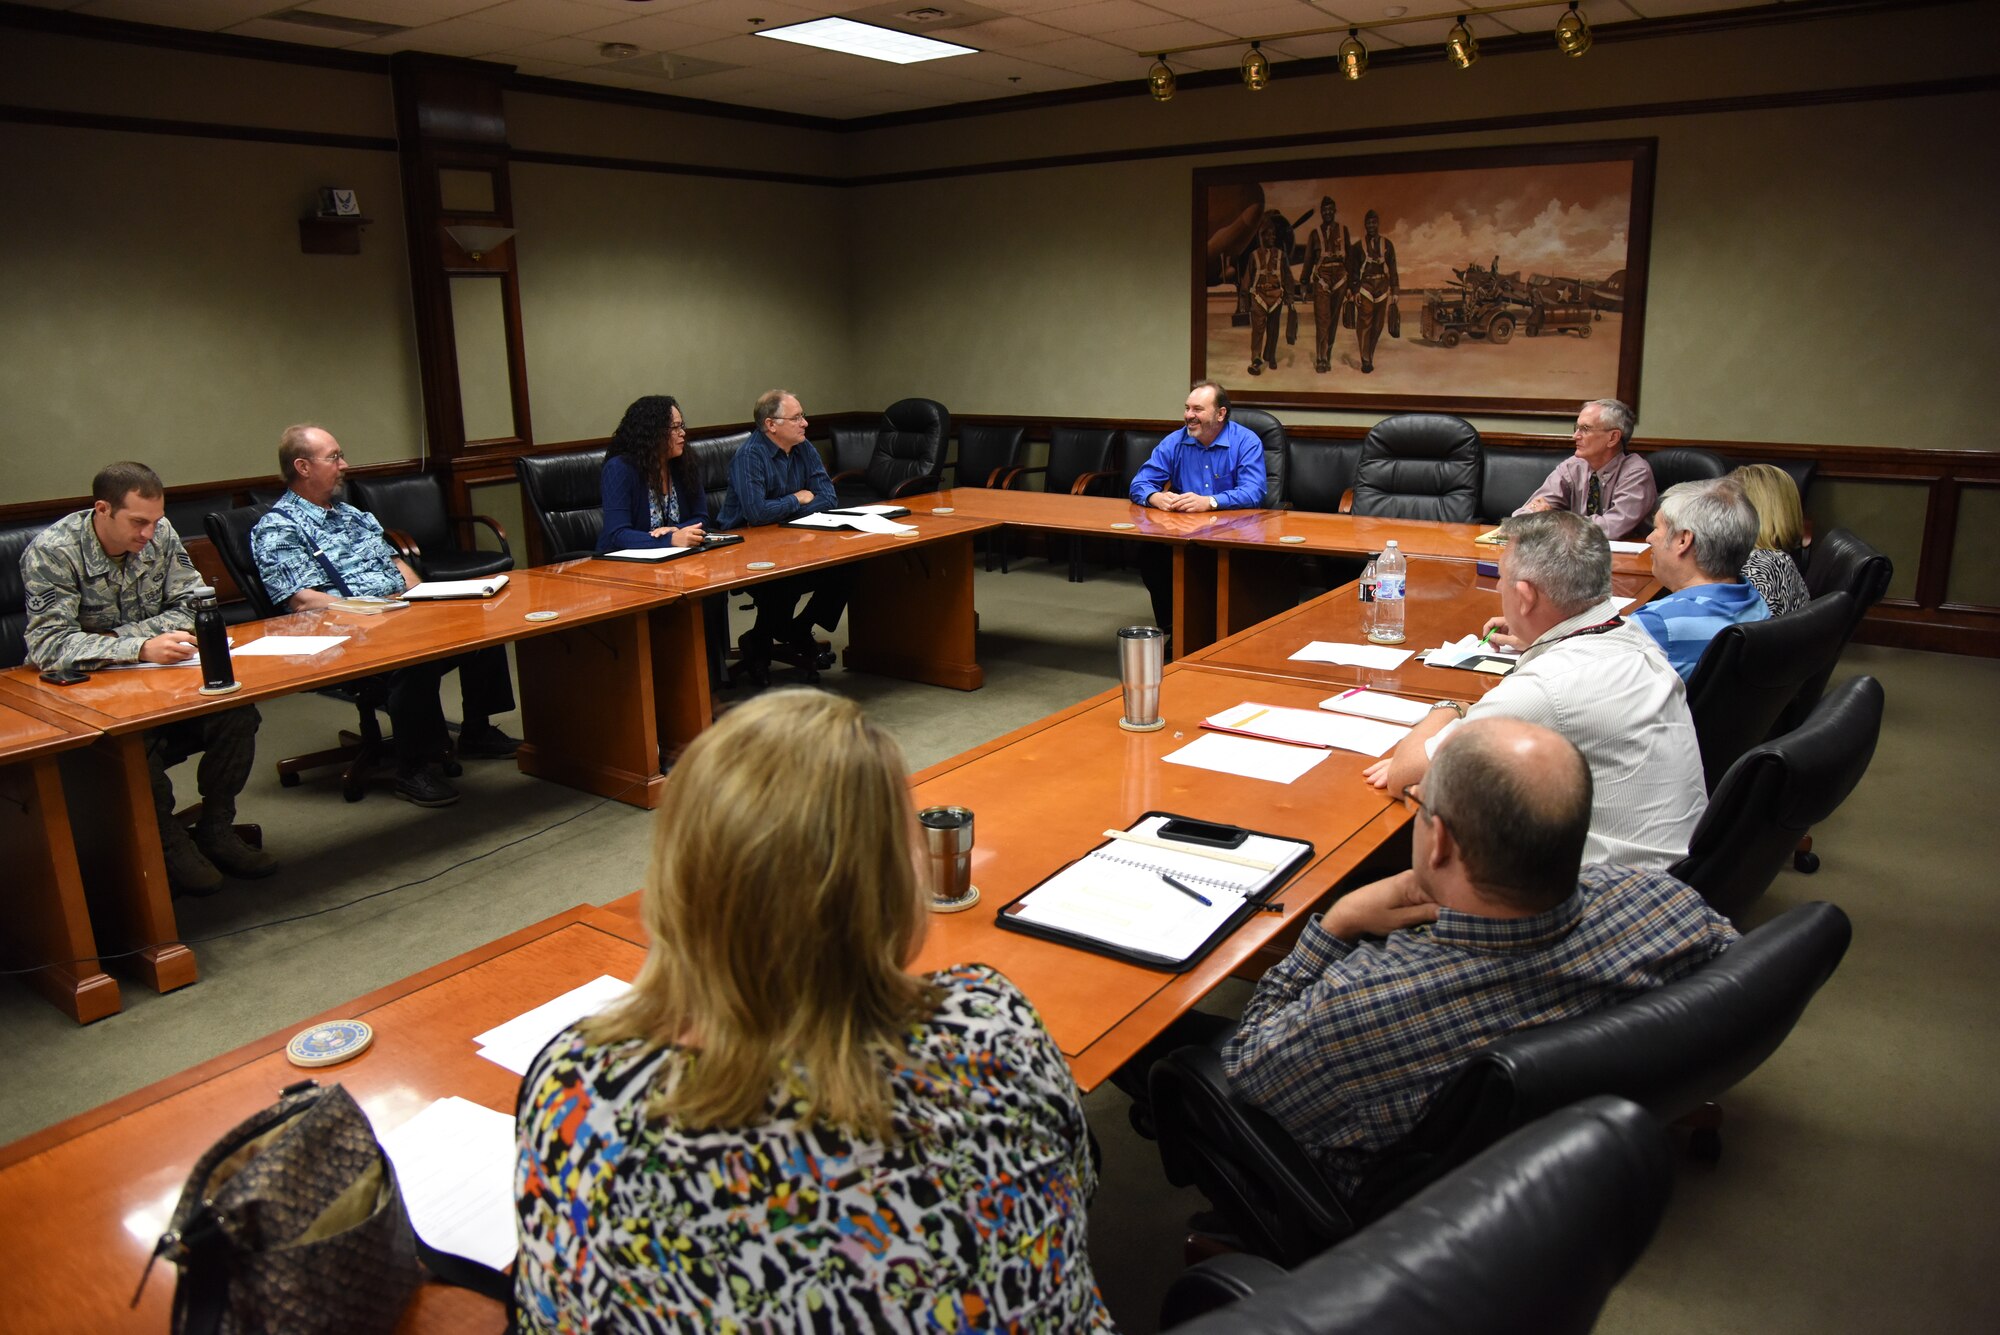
x,y
651,495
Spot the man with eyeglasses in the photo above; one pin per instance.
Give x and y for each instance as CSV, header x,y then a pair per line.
x,y
1594,676
1497,926
311,547
778,475
1604,482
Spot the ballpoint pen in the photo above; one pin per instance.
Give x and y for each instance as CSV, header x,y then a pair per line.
x,y
1187,890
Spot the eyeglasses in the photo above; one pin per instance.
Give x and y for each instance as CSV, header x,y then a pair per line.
x,y
795,417
677,430
337,457
1582,430
1415,803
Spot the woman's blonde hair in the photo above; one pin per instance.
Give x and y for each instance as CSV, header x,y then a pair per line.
x,y
1781,523
783,906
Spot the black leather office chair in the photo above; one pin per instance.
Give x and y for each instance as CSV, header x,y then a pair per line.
x,y
365,755
1682,463
1508,476
851,447
1750,673
1320,473
1776,792
908,456
1080,464
440,545
1530,1235
1133,451
1671,1050
14,540
713,456
987,454
1276,447
1419,466
1842,562
564,497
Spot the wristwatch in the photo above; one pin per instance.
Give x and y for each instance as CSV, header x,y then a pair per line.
x,y
1455,706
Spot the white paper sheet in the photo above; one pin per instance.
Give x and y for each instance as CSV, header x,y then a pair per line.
x,y
1382,656
872,523
1247,757
194,662
650,553
455,1165
456,588
1630,547
1310,727
875,509
287,646
1377,705
1465,649
515,1043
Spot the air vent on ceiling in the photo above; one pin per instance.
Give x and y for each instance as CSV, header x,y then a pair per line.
x,y
306,18
925,15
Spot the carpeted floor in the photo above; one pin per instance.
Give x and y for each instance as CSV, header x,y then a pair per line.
x,y
1854,1174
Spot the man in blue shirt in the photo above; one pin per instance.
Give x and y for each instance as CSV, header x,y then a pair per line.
x,y
1702,534
777,476
1211,463
312,547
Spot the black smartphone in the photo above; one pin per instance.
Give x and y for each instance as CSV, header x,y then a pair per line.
x,y
64,676
1204,832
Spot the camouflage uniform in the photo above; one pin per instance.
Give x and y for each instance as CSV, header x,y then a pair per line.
x,y
87,609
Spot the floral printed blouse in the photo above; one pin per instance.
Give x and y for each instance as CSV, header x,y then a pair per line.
x,y
972,1218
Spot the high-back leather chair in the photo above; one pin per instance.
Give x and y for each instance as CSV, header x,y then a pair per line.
x,y
1319,473
1509,476
1778,791
1681,463
1670,1050
14,540
908,456
564,497
1276,445
987,454
1134,449
1419,466
1752,671
1530,1235
412,504
851,447
1079,464
712,459
1842,562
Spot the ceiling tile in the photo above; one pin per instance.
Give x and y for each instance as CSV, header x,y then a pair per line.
x,y
204,14
454,37
1006,34
735,15
1107,16
1159,36
657,32
564,50
408,13
563,18
992,68
1085,55
272,31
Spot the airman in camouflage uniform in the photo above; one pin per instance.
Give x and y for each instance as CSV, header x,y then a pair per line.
x,y
113,584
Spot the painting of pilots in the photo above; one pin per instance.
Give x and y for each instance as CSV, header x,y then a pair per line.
x,y
1489,279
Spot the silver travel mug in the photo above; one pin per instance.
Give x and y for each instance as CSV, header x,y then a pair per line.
x,y
1142,657
948,857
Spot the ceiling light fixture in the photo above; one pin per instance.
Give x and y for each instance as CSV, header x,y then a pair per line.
x,y
1256,69
866,40
1572,33
618,51
1353,56
1160,81
1460,46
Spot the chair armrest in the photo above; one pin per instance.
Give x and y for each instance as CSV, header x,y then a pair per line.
x,y
1015,477
405,546
1346,502
914,486
1082,486
1216,1282
500,534
848,475
1002,477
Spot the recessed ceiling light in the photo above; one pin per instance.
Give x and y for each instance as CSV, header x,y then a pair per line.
x,y
866,40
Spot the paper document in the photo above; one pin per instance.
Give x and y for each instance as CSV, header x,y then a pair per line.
x,y
1309,727
455,1165
1383,656
1114,895
1629,547
875,509
1378,705
1628,604
1248,757
129,667
861,523
1466,650
457,588
287,646
515,1043
367,605
650,553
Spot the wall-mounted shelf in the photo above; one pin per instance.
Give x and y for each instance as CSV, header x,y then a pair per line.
x,y
331,236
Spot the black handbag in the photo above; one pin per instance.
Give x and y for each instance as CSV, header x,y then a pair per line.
x,y
292,1223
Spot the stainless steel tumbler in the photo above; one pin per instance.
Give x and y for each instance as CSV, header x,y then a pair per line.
x,y
1142,657
948,857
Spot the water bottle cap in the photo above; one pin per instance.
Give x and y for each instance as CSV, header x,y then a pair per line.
x,y
1388,546
203,591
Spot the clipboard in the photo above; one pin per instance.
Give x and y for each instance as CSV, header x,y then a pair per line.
x,y
1112,900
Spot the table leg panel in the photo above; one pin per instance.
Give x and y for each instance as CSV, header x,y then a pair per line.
x,y
911,617
587,709
682,701
48,915
1195,598
118,852
1253,586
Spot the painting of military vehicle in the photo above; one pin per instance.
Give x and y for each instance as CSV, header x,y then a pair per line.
x,y
1485,303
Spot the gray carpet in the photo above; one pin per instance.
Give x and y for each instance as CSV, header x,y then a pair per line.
x,y
1854,1174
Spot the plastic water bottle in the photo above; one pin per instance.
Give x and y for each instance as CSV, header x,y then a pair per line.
x,y
1391,591
1368,598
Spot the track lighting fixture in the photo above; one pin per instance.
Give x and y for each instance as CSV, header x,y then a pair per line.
x,y
1460,46
1572,33
1353,56
1256,69
1160,81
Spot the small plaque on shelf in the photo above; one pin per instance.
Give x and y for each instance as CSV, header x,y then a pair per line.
x,y
335,202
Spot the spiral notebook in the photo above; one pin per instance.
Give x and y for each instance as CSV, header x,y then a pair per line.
x,y
1116,901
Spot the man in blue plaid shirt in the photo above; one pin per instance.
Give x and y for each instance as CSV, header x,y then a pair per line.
x,y
1496,927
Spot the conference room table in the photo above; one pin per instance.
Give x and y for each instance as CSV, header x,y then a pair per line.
x,y
48,918
1447,600
586,708
910,614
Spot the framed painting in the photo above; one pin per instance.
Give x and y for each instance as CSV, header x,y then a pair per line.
x,y
1498,280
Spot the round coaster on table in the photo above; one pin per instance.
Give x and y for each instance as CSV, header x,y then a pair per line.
x,y
230,689
944,510
540,616
762,565
325,1044
959,905
1154,726
1292,537
1124,523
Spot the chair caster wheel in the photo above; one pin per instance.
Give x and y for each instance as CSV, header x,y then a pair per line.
x,y
1706,1145
288,780
1806,862
452,769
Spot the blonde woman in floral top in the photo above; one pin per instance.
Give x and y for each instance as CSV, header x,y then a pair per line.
x,y
779,1128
